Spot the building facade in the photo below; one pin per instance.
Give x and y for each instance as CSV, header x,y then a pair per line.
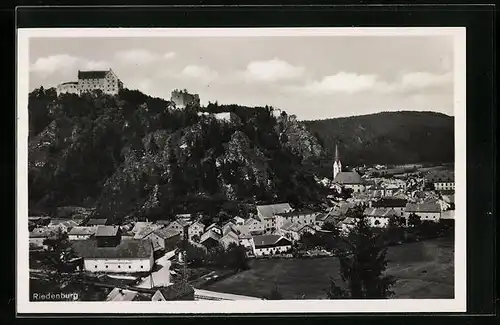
x,y
270,245
106,81
181,98
67,88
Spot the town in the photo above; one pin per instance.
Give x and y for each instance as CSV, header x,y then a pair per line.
x,y
138,259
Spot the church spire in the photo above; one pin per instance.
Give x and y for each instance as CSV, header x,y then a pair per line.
x,y
336,153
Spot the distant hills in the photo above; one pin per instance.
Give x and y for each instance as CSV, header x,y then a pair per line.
x,y
387,138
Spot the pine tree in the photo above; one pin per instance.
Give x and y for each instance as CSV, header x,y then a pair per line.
x,y
362,265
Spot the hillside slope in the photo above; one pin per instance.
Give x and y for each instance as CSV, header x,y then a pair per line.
x,y
134,155
388,138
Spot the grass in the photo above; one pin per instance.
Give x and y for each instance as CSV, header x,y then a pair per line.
x,y
424,270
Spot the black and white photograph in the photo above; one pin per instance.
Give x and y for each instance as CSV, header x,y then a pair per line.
x,y
241,170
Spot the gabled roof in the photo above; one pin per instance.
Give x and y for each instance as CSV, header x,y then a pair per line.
x,y
166,232
118,294
106,231
380,212
79,231
269,210
390,202
251,220
422,207
238,219
348,178
96,222
95,74
209,234
128,248
199,224
41,232
295,213
139,225
268,240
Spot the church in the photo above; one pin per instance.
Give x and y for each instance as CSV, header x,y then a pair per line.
x,y
345,179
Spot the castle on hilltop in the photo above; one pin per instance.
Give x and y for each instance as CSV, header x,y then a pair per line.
x,y
181,98
104,80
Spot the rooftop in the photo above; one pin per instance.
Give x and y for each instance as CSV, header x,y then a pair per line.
x,y
95,74
269,210
82,231
268,240
380,212
295,213
97,222
348,178
422,207
106,231
166,232
128,248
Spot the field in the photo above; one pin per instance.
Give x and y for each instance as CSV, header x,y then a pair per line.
x,y
424,270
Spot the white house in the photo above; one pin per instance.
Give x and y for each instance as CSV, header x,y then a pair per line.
x,y
129,256
253,226
270,245
426,211
351,180
81,233
379,217
294,231
38,236
195,229
229,238
267,213
300,217
238,221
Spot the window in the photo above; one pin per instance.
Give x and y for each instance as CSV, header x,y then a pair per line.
x,y
95,266
129,266
142,266
106,266
119,266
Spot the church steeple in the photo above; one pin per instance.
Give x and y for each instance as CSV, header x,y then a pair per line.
x,y
337,166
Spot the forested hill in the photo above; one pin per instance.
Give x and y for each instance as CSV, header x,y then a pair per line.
x,y
388,137
134,155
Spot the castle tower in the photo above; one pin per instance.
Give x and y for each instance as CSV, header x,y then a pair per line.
x,y
337,166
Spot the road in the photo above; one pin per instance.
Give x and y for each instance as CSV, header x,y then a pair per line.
x,y
160,277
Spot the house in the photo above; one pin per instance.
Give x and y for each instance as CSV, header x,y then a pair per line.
x,y
426,211
441,180
70,87
38,236
351,180
270,245
179,224
96,222
267,213
238,221
294,231
140,225
230,237
81,233
379,217
253,226
215,228
195,229
64,224
176,291
164,239
397,204
346,225
108,236
104,80
245,240
300,217
210,239
128,256
146,230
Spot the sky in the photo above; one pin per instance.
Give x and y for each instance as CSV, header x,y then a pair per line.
x,y
312,77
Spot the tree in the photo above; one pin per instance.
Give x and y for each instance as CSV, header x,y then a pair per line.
x,y
414,220
362,266
236,257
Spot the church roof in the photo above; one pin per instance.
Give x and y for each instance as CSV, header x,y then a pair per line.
x,y
348,178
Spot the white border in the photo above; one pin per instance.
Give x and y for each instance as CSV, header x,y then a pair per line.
x,y
458,304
